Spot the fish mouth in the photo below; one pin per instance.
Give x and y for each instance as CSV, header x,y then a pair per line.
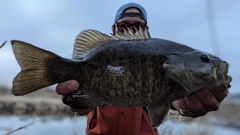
x,y
220,73
218,78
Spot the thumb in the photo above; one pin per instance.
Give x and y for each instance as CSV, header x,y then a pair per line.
x,y
67,87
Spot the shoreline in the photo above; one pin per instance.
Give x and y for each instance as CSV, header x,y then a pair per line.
x,y
40,103
47,102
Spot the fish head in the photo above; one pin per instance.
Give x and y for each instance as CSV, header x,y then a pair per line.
x,y
195,70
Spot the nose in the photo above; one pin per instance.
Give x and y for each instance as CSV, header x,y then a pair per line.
x,y
204,58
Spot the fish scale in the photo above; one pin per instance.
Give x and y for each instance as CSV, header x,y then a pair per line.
x,y
127,87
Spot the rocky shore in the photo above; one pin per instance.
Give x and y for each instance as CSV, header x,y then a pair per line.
x,y
40,103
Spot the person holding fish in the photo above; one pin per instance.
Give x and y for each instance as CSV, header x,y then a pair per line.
x,y
113,120
127,81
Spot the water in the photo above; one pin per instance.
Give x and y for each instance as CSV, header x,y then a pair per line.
x,y
76,126
43,125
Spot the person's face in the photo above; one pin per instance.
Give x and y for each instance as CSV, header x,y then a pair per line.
x,y
130,22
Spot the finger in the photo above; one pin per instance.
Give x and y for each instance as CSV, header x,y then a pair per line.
x,y
67,87
219,94
195,105
180,104
208,99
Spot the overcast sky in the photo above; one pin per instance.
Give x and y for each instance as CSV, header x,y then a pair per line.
x,y
54,24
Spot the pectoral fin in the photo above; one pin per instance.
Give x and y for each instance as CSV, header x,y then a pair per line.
x,y
157,114
159,108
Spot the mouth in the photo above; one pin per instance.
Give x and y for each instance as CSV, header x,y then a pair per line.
x,y
221,75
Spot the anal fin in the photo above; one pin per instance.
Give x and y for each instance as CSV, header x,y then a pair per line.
x,y
79,100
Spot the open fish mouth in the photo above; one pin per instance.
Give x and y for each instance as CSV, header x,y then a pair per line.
x,y
212,75
221,76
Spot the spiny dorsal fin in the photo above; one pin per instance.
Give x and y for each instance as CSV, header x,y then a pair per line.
x,y
89,39
130,35
86,40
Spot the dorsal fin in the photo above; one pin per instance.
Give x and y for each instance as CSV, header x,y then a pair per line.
x,y
130,35
89,39
86,40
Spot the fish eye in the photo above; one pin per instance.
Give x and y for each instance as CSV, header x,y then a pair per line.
x,y
204,58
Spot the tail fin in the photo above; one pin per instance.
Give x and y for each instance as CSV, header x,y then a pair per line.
x,y
34,63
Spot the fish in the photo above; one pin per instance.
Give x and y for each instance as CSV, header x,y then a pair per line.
x,y
126,69
3,44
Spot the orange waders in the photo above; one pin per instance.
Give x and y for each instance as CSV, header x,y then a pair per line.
x,y
113,120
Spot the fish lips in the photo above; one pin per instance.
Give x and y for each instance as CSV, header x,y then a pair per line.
x,y
221,74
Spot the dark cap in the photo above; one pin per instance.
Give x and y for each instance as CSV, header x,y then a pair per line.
x,y
119,14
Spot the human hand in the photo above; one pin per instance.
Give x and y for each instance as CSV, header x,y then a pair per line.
x,y
68,87
200,103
